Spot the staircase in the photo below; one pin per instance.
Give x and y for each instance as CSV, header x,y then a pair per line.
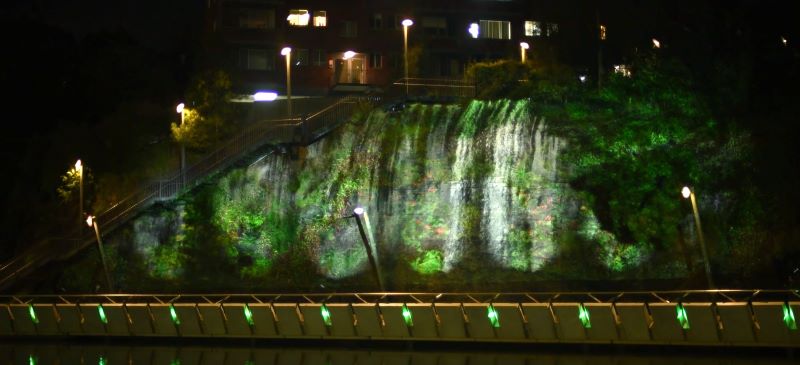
x,y
291,131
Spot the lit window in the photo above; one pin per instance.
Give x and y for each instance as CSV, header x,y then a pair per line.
x,y
377,21
495,29
320,18
623,70
298,17
602,32
533,28
375,60
349,29
552,29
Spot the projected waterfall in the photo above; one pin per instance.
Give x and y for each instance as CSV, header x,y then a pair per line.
x,y
451,193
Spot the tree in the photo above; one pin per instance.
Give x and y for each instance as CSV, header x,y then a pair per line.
x,y
636,142
209,115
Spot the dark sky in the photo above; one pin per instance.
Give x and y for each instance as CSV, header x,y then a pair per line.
x,y
161,24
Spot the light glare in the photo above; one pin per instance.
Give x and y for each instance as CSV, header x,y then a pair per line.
x,y
686,192
349,54
683,319
494,318
524,45
407,22
326,315
90,221
473,30
656,43
265,96
102,313
358,211
286,50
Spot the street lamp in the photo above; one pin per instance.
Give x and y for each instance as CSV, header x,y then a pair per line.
x,y
91,221
523,47
287,51
79,170
265,96
180,108
359,213
406,23
689,194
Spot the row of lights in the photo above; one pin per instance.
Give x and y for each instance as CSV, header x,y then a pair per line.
x,y
408,318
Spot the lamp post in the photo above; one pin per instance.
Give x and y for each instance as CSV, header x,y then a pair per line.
x,y
180,109
406,23
689,194
523,48
79,170
287,51
91,221
359,213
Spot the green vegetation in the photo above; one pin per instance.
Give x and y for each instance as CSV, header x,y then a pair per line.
x,y
208,116
562,182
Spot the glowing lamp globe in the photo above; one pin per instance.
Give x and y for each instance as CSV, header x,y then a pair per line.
x,y
265,96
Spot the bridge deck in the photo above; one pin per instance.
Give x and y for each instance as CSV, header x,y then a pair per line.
x,y
706,318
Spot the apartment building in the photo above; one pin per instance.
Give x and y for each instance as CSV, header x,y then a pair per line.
x,y
359,44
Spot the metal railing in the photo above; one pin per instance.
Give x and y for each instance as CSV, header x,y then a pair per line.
x,y
297,130
435,89
666,296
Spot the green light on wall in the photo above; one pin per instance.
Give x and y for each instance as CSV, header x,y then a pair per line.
x,y
583,315
31,360
407,317
788,317
326,315
102,361
683,319
494,318
174,315
102,313
248,315
32,312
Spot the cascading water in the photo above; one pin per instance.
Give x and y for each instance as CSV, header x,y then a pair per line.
x,y
448,188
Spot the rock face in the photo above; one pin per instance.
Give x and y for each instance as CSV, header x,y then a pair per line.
x,y
468,196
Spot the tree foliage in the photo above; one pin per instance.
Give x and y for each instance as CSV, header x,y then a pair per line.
x,y
638,141
208,116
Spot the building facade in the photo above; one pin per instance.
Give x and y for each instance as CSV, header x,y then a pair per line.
x,y
360,43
